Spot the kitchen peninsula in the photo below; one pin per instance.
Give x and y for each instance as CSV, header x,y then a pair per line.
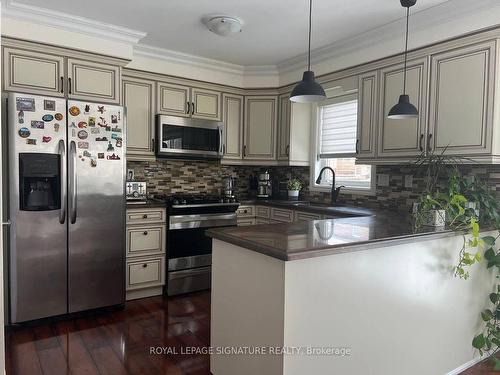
x,y
362,292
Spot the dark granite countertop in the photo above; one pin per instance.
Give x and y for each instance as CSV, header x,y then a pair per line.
x,y
303,240
150,203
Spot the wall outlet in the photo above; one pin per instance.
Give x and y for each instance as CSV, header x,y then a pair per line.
x,y
408,181
383,180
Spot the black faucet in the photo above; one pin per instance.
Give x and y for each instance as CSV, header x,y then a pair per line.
x,y
335,191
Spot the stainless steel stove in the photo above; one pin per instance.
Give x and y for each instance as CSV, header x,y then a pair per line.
x,y
189,250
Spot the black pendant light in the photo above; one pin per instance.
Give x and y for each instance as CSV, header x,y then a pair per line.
x,y
404,109
308,90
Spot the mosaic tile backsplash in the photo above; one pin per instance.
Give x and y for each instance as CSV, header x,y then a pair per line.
x,y
178,176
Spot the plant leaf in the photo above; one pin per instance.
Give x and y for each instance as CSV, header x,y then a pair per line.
x,y
479,341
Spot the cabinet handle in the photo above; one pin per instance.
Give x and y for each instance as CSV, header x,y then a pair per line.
x,y
288,150
144,216
420,143
145,265
188,107
357,146
244,150
145,232
192,110
429,138
69,85
62,84
153,145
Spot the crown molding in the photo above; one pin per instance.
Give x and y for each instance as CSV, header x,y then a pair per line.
x,y
439,14
47,17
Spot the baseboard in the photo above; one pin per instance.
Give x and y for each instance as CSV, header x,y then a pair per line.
x,y
465,366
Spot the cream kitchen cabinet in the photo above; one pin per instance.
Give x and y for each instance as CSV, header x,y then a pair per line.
x,y
233,126
367,115
260,128
139,99
294,132
403,138
462,100
185,101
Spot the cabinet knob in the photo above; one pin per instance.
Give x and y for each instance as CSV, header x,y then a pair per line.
x,y
145,232
245,211
145,265
144,216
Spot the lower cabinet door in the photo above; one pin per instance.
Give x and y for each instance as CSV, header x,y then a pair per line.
x,y
144,273
245,222
306,216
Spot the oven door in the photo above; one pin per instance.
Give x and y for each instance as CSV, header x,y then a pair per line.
x,y
186,137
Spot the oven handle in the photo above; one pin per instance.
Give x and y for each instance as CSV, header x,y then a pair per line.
x,y
201,221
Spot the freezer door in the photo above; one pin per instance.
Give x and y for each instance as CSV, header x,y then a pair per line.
x,y
96,205
37,207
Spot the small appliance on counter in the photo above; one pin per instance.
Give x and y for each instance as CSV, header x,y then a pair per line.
x,y
264,188
136,191
228,191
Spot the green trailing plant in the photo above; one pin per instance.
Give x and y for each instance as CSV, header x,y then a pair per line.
x,y
294,184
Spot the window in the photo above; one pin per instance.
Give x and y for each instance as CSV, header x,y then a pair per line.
x,y
335,146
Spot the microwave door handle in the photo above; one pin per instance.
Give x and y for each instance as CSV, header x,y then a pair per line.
x,y
62,160
220,141
72,182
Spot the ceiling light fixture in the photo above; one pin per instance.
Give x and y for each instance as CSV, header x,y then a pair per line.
x,y
308,90
404,109
224,26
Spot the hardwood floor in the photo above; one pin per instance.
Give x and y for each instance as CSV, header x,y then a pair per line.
x,y
118,343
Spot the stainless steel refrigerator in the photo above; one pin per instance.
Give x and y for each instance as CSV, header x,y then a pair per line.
x,y
66,206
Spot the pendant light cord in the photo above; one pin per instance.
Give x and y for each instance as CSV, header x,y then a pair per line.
x,y
406,47
309,50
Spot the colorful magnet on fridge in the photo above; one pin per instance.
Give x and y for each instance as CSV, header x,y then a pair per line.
x,y
31,141
100,155
108,128
113,157
20,117
94,131
119,142
102,122
59,116
25,104
24,132
86,154
82,124
82,134
74,111
110,147
93,163
91,121
119,115
114,136
73,125
116,129
56,127
102,139
114,119
87,108
100,109
83,145
47,118
37,124
49,105
46,139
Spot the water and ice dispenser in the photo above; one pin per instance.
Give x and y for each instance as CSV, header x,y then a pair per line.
x,y
39,182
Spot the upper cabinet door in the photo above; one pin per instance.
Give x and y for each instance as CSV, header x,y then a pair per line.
x,y
260,127
284,127
173,100
367,115
462,93
33,72
402,137
206,104
93,81
138,100
233,126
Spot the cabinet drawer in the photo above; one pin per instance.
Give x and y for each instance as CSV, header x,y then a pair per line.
x,y
284,216
138,216
262,212
245,211
261,220
145,273
145,240
307,216
245,222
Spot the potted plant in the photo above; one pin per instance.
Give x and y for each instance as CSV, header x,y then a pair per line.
x,y
294,186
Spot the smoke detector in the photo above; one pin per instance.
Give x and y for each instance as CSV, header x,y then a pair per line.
x,y
223,25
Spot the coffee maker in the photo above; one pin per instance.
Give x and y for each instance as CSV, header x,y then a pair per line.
x,y
264,186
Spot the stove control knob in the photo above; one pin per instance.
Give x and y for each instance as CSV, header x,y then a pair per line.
x,y
221,200
183,201
176,201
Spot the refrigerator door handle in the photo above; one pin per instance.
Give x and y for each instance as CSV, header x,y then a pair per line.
x,y
72,182
62,153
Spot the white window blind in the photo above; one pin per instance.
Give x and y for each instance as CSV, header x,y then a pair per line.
x,y
338,127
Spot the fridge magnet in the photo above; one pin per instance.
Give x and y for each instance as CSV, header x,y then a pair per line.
x,y
73,132
72,124
100,155
100,109
119,142
102,139
108,128
119,115
74,111
113,157
93,163
31,141
83,145
86,154
91,121
37,124
25,104
20,117
114,119
46,139
59,116
110,147
49,105
87,109
82,134
56,127
47,118
116,129
94,131
102,122
24,132
114,136
82,124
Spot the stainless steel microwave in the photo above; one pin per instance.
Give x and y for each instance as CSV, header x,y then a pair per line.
x,y
188,138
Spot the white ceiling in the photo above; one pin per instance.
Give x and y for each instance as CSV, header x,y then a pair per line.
x,y
274,30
